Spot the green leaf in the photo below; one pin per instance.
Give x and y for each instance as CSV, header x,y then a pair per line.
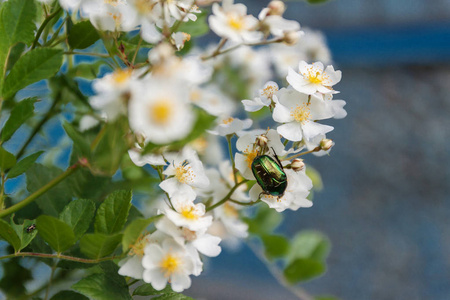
x,y
82,35
309,244
19,114
14,278
23,165
315,177
326,297
86,70
18,17
275,245
35,65
53,201
173,296
55,232
196,28
106,285
108,154
98,245
147,290
78,215
68,295
7,160
112,213
134,230
8,234
78,140
303,269
15,53
25,237
265,221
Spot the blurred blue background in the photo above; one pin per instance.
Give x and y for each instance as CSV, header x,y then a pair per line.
x,y
385,205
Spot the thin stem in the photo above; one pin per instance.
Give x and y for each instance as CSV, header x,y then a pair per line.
x,y
86,53
42,27
245,203
230,151
60,256
303,153
217,51
47,291
227,197
137,50
2,192
273,269
55,34
47,117
40,191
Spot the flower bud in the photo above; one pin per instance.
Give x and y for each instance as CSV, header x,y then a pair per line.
x,y
297,164
161,53
291,38
276,7
326,144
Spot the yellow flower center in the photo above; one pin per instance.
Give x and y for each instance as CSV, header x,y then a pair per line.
x,y
236,22
269,91
121,76
184,173
250,156
195,95
316,78
189,213
138,247
145,6
200,144
170,265
301,114
227,121
160,111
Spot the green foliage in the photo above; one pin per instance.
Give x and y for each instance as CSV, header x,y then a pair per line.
x,y
82,35
107,284
23,165
98,245
14,278
68,295
35,65
9,234
17,18
316,1
309,244
23,234
7,160
196,28
78,140
303,269
113,212
55,232
54,201
134,230
265,221
165,294
78,215
19,114
275,245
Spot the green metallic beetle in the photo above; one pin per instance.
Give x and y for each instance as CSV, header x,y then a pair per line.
x,y
270,175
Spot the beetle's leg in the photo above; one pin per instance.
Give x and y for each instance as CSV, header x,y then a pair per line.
x,y
276,157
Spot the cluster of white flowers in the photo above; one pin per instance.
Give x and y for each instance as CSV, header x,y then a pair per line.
x,y
151,16
204,196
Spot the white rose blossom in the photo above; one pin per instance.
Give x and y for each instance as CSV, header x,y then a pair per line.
x,y
187,214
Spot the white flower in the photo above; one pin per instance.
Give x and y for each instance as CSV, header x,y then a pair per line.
x,y
187,214
264,99
298,112
311,47
232,22
160,111
231,126
169,262
142,160
313,78
246,145
112,92
110,15
294,197
212,100
131,266
185,171
335,106
276,24
179,38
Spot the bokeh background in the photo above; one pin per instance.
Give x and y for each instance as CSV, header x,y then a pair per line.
x,y
385,205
